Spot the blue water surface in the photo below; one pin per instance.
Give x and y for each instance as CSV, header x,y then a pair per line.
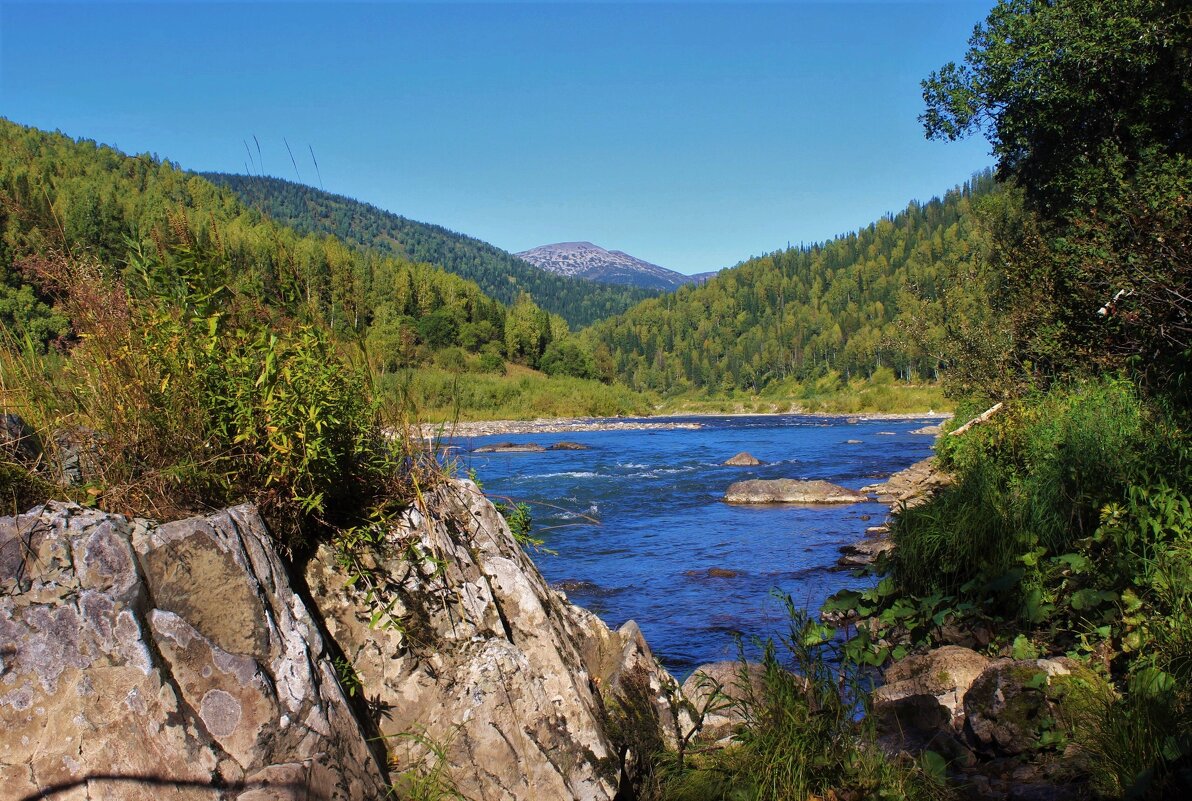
x,y
634,524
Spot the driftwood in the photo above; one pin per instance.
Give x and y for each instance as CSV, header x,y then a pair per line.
x,y
978,420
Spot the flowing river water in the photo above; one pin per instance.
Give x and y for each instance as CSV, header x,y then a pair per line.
x,y
634,527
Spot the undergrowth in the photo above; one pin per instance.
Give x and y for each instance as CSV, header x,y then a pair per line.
x,y
1068,531
803,735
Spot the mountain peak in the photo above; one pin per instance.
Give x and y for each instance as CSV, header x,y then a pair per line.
x,y
586,260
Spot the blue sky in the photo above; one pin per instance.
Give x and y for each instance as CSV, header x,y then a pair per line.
x,y
690,135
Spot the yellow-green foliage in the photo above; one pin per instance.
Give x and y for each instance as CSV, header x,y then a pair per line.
x,y
436,395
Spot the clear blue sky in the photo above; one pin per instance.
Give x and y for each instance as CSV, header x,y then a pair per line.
x,y
690,135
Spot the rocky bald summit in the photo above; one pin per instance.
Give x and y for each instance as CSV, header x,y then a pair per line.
x,y
585,260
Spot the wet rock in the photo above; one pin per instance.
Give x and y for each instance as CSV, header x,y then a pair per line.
x,y
929,430
511,447
570,446
786,490
485,660
743,459
131,675
712,572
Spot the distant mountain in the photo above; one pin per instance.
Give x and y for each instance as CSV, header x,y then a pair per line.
x,y
499,274
585,260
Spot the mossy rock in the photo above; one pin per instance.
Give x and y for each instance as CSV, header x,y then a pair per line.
x,y
1018,707
21,490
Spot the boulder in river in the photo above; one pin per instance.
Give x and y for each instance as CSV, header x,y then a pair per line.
x,y
743,459
511,447
789,490
569,446
913,486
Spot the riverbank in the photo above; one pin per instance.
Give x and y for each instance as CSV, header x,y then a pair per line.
x,y
546,425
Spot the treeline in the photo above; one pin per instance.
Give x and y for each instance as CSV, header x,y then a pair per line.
x,y
865,301
500,275
78,198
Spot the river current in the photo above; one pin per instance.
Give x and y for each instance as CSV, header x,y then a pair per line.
x,y
634,528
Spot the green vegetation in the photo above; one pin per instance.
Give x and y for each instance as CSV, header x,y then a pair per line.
x,y
800,737
1068,530
884,297
363,226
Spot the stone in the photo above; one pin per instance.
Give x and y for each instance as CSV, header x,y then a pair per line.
x,y
864,552
479,658
569,446
18,442
166,662
719,690
913,486
928,688
511,447
787,490
1012,704
743,459
712,572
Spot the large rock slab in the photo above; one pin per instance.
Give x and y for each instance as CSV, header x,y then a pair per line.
x,y
929,688
788,490
484,662
165,662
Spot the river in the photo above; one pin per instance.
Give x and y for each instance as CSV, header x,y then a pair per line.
x,y
633,525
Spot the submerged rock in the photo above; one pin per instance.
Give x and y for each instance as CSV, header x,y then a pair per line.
x,y
511,447
743,459
570,446
712,572
166,662
787,490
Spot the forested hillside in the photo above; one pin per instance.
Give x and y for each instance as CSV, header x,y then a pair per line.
x,y
861,302
59,197
499,274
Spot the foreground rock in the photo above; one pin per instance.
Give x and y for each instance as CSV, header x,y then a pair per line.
x,y
743,459
511,447
787,490
927,691
485,661
718,690
165,662
913,486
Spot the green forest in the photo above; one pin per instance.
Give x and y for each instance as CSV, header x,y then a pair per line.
x,y
198,351
883,297
500,275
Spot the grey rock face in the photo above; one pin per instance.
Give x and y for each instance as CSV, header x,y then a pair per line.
x,y
484,660
787,490
165,662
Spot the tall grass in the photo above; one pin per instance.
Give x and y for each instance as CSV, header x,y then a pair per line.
x,y
803,736
184,396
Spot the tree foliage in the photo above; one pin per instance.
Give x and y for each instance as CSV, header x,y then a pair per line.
x,y
63,196
1088,105
883,297
500,275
